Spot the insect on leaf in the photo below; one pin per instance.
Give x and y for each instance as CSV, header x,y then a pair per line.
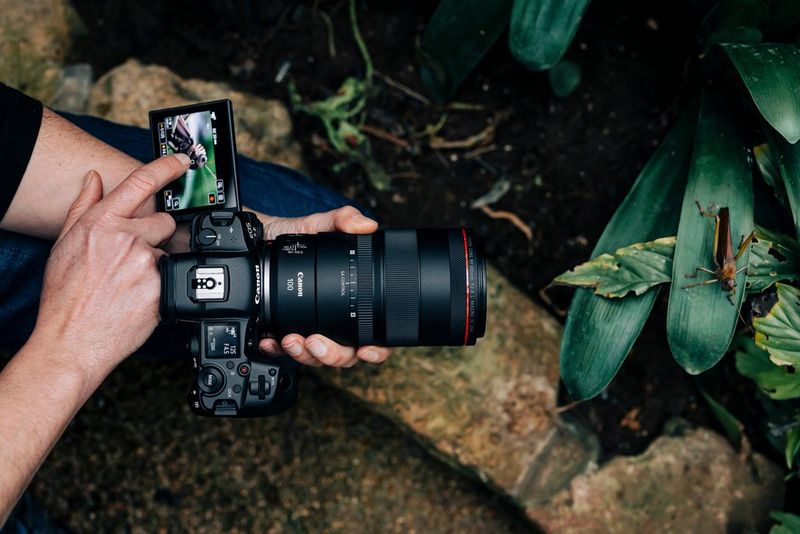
x,y
632,269
701,320
771,73
600,332
777,382
542,30
778,332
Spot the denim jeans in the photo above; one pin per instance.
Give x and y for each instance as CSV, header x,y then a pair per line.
x,y
265,187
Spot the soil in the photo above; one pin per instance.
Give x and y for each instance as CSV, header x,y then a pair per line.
x,y
569,161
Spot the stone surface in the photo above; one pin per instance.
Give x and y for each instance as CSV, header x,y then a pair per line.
x,y
488,409
690,483
73,89
128,92
35,36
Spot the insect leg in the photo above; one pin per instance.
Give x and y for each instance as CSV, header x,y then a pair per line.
x,y
708,212
744,244
706,283
703,269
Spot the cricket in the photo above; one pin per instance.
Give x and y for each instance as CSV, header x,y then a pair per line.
x,y
725,270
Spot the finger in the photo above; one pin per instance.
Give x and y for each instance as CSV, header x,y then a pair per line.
x,y
126,199
270,347
329,352
373,354
90,195
347,219
352,221
156,229
294,346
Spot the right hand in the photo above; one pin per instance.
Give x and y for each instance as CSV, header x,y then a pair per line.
x,y
100,298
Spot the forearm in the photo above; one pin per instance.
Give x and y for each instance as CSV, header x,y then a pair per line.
x,y
61,158
41,396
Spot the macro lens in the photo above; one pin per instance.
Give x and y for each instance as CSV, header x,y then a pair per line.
x,y
394,287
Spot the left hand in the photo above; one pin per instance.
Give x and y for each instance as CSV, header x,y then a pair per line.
x,y
317,350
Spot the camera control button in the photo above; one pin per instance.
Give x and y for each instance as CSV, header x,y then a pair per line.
x,y
206,237
210,380
272,372
229,365
244,369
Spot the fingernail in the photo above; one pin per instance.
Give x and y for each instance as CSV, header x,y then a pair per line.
x,y
361,219
293,348
370,356
318,348
186,160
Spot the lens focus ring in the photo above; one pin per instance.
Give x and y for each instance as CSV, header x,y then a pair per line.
x,y
365,290
401,287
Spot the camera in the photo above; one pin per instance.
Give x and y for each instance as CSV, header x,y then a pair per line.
x,y
407,287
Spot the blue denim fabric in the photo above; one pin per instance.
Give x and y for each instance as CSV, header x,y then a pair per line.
x,y
265,187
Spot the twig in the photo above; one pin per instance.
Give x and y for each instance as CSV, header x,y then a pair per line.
x,y
472,154
362,47
485,136
403,88
513,218
384,135
566,407
561,312
464,106
329,25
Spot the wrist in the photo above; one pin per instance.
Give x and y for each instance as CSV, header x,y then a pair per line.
x,y
71,366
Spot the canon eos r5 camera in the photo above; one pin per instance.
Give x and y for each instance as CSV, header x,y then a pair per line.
x,y
392,288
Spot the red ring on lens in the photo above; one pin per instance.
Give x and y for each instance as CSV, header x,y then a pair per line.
x,y
466,266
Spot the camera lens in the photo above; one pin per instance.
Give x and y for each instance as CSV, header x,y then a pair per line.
x,y
393,287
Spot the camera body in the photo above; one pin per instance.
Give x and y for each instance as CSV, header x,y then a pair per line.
x,y
399,287
218,286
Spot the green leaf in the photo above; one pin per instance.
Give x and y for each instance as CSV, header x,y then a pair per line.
x,y
635,268
701,320
771,73
775,381
542,30
458,35
788,523
737,34
600,332
778,332
770,171
731,425
792,445
773,257
787,157
564,78
725,20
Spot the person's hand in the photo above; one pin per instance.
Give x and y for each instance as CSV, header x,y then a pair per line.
x,y
101,287
318,350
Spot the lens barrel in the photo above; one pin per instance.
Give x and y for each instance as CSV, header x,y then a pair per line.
x,y
393,287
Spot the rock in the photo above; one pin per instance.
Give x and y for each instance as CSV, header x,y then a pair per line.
x,y
691,483
487,410
73,89
128,92
35,36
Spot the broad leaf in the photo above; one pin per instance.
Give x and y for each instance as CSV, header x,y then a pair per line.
x,y
778,382
600,332
789,523
564,78
542,30
792,445
701,320
787,157
729,14
778,332
459,34
770,171
635,268
731,425
771,73
773,257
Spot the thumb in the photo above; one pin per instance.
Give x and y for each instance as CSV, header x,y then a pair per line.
x,y
90,195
